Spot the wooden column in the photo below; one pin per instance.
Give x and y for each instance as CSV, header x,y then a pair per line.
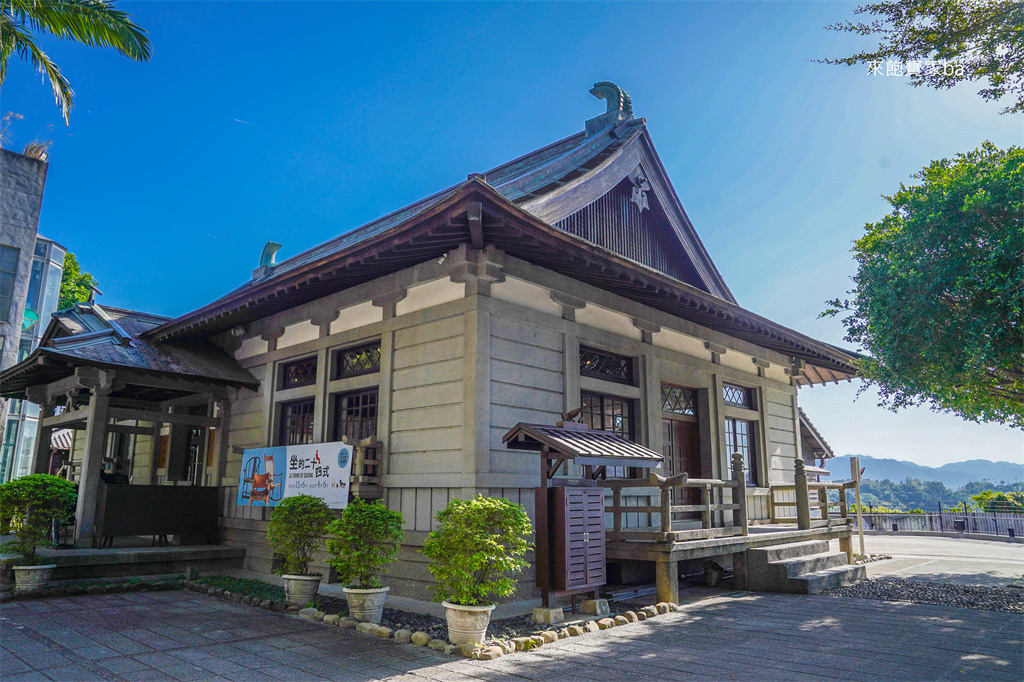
x,y
803,502
92,464
739,493
41,451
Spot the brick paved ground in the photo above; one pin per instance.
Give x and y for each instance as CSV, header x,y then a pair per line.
x,y
185,636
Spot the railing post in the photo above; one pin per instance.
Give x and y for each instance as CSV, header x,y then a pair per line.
x,y
706,518
845,543
739,494
617,516
803,501
823,502
666,510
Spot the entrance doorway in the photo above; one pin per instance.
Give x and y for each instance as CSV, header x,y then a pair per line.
x,y
681,443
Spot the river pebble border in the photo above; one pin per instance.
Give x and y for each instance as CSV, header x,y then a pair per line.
x,y
977,597
514,634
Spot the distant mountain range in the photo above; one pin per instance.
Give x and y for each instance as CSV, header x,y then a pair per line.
x,y
953,475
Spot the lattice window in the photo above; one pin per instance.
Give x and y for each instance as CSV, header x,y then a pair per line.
x,y
678,400
297,422
355,361
737,396
299,373
739,437
609,413
603,365
355,415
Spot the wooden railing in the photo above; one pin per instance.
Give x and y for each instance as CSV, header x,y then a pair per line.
x,y
707,507
802,489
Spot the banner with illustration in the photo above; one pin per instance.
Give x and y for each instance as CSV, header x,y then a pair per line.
x,y
269,475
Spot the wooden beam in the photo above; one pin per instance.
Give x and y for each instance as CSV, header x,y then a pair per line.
x,y
163,417
476,224
69,417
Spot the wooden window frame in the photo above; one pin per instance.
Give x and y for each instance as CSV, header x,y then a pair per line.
x,y
336,421
629,362
631,405
339,361
283,384
748,393
750,455
283,424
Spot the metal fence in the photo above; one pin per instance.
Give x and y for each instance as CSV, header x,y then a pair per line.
x,y
948,520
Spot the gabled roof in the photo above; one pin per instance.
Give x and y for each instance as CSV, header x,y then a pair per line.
x,y
809,432
582,444
110,338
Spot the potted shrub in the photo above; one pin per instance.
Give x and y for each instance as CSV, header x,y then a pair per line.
x,y
296,529
28,506
478,544
365,539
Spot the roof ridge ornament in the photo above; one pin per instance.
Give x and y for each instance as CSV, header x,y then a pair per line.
x,y
620,107
267,258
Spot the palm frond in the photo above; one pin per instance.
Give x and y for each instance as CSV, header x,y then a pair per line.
x,y
91,22
13,38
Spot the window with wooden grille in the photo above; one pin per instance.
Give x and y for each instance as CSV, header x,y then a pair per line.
x,y
739,437
355,361
299,373
296,422
678,400
608,366
737,396
609,413
355,415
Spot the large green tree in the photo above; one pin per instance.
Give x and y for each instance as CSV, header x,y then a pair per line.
x,y
75,285
90,22
939,292
950,41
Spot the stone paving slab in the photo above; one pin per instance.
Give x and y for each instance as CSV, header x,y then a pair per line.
x,y
184,636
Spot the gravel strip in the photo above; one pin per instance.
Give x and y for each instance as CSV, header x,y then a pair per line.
x,y
944,594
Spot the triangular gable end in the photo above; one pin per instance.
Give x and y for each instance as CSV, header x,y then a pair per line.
x,y
628,205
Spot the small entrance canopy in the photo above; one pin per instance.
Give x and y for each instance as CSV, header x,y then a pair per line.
x,y
586,446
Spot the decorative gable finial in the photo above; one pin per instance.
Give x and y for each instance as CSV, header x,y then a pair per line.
x,y
617,98
620,107
641,185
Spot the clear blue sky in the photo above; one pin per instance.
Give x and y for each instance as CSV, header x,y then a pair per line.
x,y
300,121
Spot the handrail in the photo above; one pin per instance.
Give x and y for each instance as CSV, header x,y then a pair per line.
x,y
666,509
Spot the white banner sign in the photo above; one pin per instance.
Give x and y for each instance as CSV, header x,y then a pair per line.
x,y
319,469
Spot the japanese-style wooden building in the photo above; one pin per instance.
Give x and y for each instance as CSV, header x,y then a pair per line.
x,y
568,278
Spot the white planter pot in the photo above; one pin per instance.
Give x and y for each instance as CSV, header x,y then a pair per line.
x,y
300,590
366,605
32,577
467,624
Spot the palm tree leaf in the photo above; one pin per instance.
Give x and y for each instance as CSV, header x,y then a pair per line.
x,y
91,22
14,38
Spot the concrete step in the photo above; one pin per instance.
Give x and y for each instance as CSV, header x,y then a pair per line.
x,y
830,578
810,563
791,550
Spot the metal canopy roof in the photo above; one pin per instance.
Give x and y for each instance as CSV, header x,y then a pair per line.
x,y
585,445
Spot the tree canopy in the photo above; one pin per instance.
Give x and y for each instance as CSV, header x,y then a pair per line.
x,y
939,292
946,42
90,22
75,285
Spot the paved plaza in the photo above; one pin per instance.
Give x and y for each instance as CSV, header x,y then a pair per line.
x,y
740,636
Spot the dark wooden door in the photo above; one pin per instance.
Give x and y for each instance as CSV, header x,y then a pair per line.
x,y
579,538
681,448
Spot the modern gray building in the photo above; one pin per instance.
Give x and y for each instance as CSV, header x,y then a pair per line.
x,y
30,272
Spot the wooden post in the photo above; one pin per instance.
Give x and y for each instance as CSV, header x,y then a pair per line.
x,y
41,452
617,516
855,472
739,516
803,501
845,543
92,463
667,579
666,509
823,502
707,520
542,536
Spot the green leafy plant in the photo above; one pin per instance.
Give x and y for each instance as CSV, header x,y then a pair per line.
x,y
366,539
75,285
296,530
28,506
996,502
477,545
246,586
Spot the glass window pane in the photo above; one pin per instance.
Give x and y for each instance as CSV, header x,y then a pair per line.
x,y
355,415
297,422
299,373
355,361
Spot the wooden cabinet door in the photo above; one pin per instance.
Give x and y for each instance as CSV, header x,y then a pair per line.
x,y
579,538
595,544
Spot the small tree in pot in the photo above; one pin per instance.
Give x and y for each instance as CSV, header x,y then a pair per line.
x,y
478,545
28,507
366,539
296,529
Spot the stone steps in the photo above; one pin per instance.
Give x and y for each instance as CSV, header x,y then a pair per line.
x,y
798,567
